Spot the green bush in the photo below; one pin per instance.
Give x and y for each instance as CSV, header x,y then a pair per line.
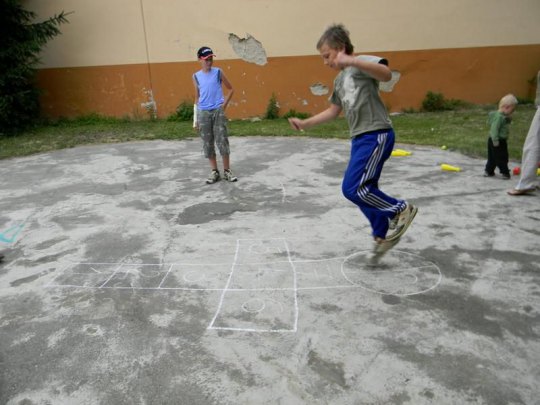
x,y
437,102
433,102
272,110
293,113
184,112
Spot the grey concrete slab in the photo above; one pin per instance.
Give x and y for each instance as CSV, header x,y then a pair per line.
x,y
127,280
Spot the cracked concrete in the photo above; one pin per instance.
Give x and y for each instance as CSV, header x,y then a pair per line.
x,y
127,280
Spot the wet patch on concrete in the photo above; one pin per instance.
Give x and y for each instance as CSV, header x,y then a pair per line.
x,y
466,373
391,299
207,212
330,372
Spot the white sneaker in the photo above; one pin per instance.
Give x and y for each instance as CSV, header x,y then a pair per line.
x,y
380,247
214,177
404,220
229,176
392,223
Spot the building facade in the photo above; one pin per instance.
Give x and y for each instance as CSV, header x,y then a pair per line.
x,y
136,57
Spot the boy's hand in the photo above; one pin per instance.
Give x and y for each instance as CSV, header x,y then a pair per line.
x,y
495,143
296,124
342,60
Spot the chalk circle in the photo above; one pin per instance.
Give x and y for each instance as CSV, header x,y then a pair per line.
x,y
253,305
398,273
193,276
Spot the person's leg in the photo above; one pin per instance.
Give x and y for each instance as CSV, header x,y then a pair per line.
x,y
360,182
222,142
501,158
490,165
531,156
206,132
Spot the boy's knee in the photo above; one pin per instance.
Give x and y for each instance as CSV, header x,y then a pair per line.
x,y
349,193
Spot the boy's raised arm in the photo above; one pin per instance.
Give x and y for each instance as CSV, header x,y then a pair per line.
x,y
329,114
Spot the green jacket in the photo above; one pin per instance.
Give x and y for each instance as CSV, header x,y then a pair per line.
x,y
499,125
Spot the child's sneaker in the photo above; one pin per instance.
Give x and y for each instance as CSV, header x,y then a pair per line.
x,y
404,220
229,176
214,177
392,223
380,247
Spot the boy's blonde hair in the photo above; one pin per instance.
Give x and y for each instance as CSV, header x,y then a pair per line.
x,y
508,100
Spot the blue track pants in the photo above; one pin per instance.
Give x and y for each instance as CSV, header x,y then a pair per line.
x,y
360,184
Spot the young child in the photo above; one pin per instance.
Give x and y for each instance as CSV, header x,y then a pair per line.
x,y
356,92
499,123
209,113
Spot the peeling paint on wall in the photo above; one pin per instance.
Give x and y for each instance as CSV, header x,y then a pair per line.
x,y
388,86
318,89
249,49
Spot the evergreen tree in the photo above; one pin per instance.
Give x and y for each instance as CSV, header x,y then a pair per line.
x,y
21,41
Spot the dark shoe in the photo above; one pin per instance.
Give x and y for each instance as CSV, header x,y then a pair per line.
x,y
486,174
506,176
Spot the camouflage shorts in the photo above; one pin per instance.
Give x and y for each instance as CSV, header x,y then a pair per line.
x,y
213,130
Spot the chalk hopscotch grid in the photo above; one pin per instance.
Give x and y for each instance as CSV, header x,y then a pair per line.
x,y
164,270
227,288
351,283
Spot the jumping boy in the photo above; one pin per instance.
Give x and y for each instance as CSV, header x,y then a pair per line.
x,y
499,126
356,92
209,109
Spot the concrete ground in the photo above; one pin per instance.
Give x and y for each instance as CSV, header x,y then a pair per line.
x,y
127,280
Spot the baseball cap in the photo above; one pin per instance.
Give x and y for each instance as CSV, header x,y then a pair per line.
x,y
204,53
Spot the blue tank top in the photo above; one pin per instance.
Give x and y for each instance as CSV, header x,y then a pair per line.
x,y
210,91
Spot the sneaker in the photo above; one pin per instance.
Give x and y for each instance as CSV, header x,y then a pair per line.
x,y
380,248
404,220
229,176
392,223
214,177
486,174
506,176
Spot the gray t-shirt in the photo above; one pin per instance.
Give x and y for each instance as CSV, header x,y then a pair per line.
x,y
357,94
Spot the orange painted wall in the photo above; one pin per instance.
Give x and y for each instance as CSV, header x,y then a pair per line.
x,y
478,75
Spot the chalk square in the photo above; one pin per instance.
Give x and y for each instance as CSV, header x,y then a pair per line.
x,y
263,276
251,251
192,276
137,276
262,311
85,275
317,274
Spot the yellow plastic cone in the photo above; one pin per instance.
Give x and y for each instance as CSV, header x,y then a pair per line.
x,y
450,168
401,152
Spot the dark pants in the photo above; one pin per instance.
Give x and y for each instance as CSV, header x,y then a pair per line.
x,y
497,157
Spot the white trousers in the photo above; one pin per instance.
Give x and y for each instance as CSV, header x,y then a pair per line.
x,y
531,155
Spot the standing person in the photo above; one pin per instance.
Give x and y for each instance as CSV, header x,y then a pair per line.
x,y
209,109
528,180
356,92
499,127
